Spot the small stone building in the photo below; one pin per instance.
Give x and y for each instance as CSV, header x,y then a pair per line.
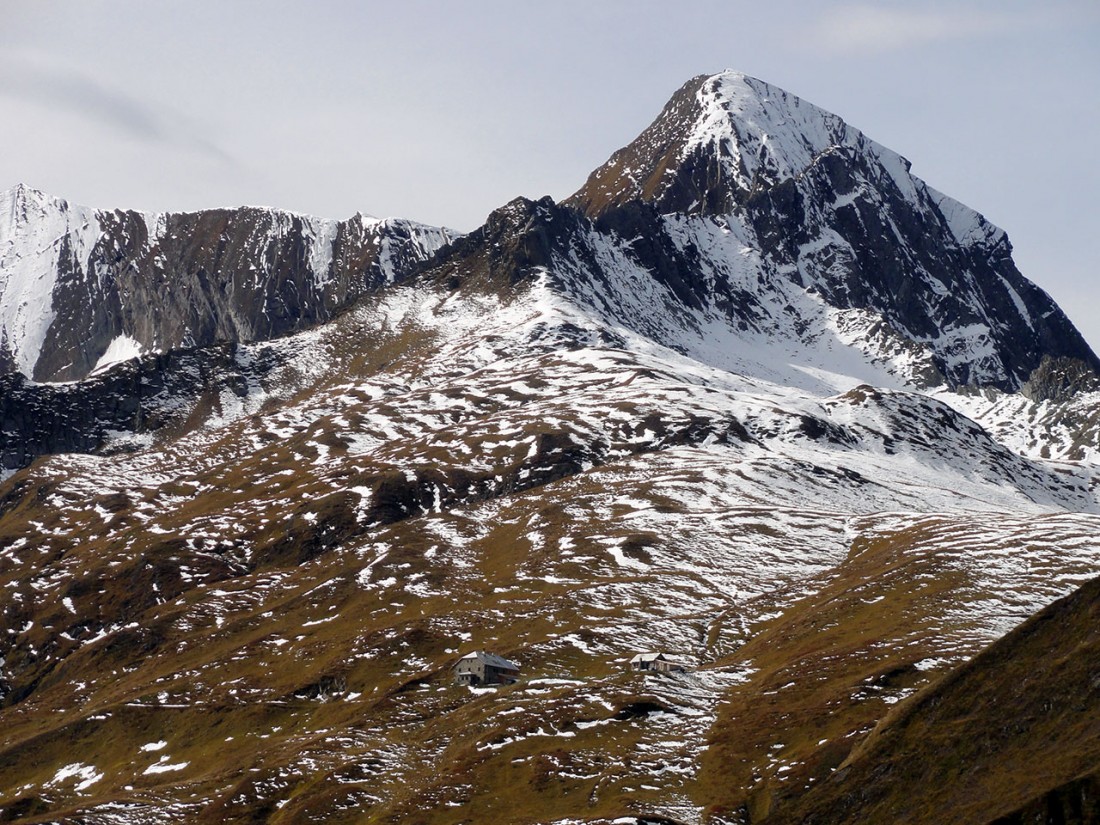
x,y
481,668
655,662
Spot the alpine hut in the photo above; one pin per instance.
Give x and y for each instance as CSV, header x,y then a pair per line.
x,y
481,668
655,662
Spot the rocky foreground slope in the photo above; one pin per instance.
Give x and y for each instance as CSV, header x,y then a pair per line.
x,y
702,407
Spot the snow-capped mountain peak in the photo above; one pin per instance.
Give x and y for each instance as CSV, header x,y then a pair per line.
x,y
820,206
21,198
749,135
763,132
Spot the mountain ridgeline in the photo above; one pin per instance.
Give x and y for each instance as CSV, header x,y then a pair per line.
x,y
83,288
812,202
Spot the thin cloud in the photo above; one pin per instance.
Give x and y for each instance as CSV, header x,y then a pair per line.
x,y
863,28
62,88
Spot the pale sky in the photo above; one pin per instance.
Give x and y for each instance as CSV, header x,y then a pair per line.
x,y
442,111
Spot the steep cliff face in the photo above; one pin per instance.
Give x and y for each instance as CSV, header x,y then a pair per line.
x,y
822,206
82,288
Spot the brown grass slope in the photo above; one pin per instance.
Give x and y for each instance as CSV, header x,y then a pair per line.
x,y
1012,736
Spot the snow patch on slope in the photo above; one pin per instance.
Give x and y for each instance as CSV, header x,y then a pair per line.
x,y
322,241
968,227
122,348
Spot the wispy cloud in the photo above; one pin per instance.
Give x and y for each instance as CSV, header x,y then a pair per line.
x,y
863,28
45,82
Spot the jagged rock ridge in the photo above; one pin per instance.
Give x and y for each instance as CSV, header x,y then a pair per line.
x,y
83,288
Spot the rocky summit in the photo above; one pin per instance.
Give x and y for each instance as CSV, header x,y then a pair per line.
x,y
752,483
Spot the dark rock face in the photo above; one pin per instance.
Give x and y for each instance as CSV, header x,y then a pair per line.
x,y
142,395
517,242
988,329
1060,379
196,279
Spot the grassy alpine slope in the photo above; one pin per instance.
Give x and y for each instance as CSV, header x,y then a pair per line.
x,y
564,505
